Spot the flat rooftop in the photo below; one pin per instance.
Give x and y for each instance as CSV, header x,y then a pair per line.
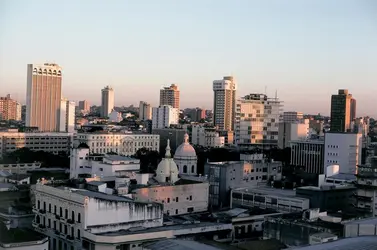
x,y
17,235
119,158
175,244
98,195
370,221
357,243
342,176
161,229
271,191
327,187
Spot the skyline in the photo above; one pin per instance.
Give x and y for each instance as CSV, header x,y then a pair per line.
x,y
326,45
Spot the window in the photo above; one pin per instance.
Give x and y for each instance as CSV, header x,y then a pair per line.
x,y
176,199
190,197
49,208
78,234
184,169
39,204
168,200
73,216
176,211
190,209
66,213
79,218
55,210
100,169
192,169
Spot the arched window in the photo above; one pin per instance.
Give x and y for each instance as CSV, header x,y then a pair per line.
x,y
79,218
61,211
39,204
184,169
192,169
49,208
37,219
73,215
66,213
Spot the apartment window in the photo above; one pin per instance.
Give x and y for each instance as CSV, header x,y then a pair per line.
x,y
176,199
55,210
190,197
39,204
61,212
73,216
78,234
176,211
168,200
190,209
49,208
66,213
79,218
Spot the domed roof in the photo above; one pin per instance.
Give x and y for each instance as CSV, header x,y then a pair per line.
x,y
167,170
185,149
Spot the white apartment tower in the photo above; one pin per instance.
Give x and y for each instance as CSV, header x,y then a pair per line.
x,y
145,111
67,116
164,116
257,121
107,101
224,103
44,93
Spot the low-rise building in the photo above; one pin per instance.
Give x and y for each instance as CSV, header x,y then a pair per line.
x,y
179,196
223,176
52,142
83,164
20,168
282,200
121,143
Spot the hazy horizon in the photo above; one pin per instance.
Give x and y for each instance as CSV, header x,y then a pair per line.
x,y
304,50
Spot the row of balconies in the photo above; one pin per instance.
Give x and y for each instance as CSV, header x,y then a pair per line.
x,y
43,229
57,217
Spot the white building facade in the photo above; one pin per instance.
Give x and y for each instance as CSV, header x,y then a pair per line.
x,y
164,116
343,149
68,216
292,131
82,164
120,143
115,116
67,116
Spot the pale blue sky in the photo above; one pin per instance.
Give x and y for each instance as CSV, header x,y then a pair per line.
x,y
305,49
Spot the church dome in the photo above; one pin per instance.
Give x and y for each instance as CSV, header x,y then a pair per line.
x,y
185,149
167,170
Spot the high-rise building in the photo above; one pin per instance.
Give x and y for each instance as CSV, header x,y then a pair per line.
x,y
164,116
353,110
197,114
224,103
18,111
145,111
84,106
44,93
341,111
170,96
67,116
292,131
107,103
8,108
257,121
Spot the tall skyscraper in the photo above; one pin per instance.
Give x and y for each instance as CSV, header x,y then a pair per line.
x,y
44,92
341,111
224,103
67,116
353,110
84,106
145,111
170,96
8,108
107,103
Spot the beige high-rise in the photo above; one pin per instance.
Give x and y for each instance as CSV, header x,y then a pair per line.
x,y
170,96
44,93
224,103
8,108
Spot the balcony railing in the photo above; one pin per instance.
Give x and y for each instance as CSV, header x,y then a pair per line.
x,y
70,221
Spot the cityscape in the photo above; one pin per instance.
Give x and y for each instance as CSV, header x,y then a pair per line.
x,y
244,173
